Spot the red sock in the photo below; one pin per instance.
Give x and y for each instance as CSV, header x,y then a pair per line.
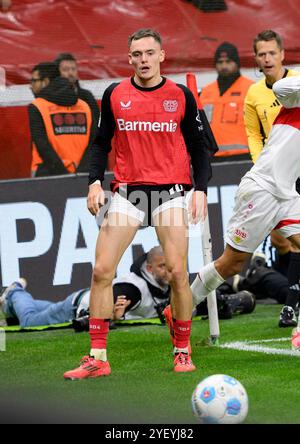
x,y
98,332
182,332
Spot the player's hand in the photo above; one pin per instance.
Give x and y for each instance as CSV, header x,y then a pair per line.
x,y
197,210
120,307
95,199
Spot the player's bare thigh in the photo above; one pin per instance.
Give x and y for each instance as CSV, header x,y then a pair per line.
x,y
172,229
282,245
295,241
116,234
113,240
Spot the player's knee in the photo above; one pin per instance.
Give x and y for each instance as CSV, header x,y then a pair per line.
x,y
179,277
103,274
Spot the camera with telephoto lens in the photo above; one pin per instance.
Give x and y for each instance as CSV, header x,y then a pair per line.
x,y
81,323
160,311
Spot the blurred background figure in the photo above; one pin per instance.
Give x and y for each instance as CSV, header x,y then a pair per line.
x,y
5,5
261,105
223,102
60,124
268,285
68,69
261,109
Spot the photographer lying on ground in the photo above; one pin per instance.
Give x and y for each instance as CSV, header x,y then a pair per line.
x,y
142,293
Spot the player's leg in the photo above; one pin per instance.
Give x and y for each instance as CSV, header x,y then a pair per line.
x,y
212,275
288,313
283,252
112,242
172,230
115,235
295,340
252,220
289,227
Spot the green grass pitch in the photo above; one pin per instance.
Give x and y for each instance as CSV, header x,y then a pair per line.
x,y
142,387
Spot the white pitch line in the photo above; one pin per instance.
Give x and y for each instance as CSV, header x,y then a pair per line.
x,y
268,340
246,346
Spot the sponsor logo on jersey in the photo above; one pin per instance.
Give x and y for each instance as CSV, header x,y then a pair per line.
x,y
156,127
240,235
125,105
170,106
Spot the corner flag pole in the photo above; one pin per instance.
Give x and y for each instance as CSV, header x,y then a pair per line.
x,y
214,328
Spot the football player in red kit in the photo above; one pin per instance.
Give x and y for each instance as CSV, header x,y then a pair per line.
x,y
155,129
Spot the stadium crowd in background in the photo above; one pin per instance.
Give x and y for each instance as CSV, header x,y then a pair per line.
x,y
261,109
223,102
144,144
266,198
60,124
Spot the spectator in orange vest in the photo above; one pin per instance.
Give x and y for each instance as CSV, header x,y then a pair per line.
x,y
67,66
60,124
223,102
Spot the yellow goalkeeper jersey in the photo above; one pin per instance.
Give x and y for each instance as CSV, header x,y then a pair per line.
x,y
261,107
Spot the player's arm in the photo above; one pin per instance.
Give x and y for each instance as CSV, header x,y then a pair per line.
x,y
193,133
287,91
253,128
84,163
95,114
99,153
50,158
91,101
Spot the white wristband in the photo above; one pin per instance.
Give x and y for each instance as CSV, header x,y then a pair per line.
x,y
97,182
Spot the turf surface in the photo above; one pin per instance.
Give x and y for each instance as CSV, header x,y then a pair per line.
x,y
143,387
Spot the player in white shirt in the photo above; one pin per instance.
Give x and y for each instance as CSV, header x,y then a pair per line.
x,y
266,198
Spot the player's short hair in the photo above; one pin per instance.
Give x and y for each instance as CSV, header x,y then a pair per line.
x,y
266,36
47,70
144,32
155,251
64,56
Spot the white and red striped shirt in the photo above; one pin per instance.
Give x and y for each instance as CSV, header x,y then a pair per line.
x,y
278,166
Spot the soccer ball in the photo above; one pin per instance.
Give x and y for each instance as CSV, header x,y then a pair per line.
x,y
220,399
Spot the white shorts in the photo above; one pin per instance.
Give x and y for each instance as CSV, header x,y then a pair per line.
x,y
121,205
256,213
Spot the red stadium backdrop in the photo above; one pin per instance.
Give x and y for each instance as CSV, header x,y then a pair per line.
x,y
96,31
